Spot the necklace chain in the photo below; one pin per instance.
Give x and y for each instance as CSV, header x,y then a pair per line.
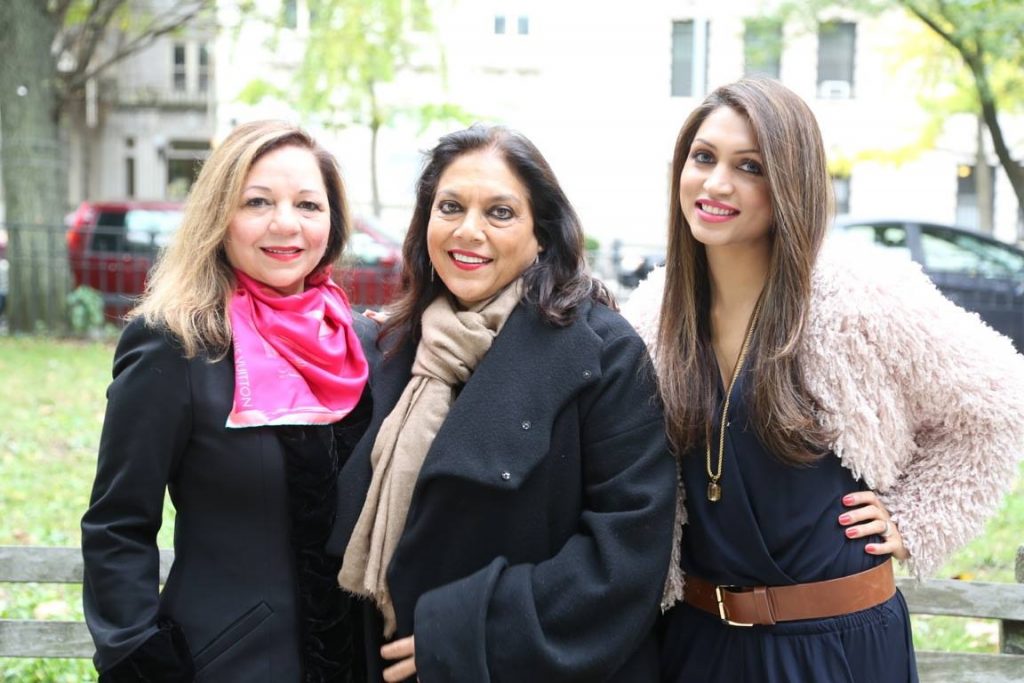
x,y
714,488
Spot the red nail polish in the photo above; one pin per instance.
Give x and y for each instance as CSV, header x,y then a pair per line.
x,y
844,519
847,500
870,548
851,533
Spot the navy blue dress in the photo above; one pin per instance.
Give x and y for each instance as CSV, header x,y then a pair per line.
x,y
777,524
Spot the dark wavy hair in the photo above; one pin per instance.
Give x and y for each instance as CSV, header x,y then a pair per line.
x,y
557,283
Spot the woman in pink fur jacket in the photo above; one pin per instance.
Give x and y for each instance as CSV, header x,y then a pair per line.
x,y
830,411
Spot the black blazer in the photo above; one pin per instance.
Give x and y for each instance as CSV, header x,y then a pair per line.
x,y
540,528
232,591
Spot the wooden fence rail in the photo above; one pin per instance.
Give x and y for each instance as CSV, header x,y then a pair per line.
x,y
971,599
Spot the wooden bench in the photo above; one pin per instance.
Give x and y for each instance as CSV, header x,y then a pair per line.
x,y
32,638
48,639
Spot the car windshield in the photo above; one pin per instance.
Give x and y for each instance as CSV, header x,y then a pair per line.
x,y
888,236
151,227
949,251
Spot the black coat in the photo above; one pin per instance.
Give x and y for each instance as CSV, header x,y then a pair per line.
x,y
231,608
540,528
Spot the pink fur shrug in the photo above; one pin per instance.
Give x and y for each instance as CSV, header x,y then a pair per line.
x,y
927,401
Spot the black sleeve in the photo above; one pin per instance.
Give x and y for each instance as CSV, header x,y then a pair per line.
x,y
162,658
145,432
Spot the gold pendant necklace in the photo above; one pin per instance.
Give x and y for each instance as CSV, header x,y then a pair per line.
x,y
714,488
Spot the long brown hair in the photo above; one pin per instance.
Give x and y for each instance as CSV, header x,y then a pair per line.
x,y
559,280
188,288
783,410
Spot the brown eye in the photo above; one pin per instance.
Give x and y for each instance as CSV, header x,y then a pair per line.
x,y
448,207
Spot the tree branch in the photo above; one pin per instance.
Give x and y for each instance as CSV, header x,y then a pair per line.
x,y
975,61
60,11
928,21
93,30
160,26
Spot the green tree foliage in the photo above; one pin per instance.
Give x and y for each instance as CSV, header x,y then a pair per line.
x,y
984,36
355,52
51,50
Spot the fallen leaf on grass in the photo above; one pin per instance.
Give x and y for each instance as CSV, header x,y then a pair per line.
x,y
51,609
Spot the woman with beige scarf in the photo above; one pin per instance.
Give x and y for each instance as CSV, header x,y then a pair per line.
x,y
509,512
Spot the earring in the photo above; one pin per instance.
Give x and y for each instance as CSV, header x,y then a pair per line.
x,y
431,272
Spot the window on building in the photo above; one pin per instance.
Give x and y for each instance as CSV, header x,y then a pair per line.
x,y
204,68
184,159
523,26
841,190
968,200
129,177
180,80
290,13
689,58
836,50
499,24
762,47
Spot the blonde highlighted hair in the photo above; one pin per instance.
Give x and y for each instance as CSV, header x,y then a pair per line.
x,y
188,288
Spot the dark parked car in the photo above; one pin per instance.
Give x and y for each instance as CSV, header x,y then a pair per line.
x,y
111,246
634,264
976,272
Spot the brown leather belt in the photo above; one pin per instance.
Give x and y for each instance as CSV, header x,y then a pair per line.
x,y
766,605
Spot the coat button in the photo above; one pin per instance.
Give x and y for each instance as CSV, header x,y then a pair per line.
x,y
506,475
526,424
587,374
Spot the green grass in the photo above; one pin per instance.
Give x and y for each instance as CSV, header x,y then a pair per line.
x,y
49,432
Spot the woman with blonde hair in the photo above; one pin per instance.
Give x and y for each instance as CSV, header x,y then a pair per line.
x,y
829,411
237,387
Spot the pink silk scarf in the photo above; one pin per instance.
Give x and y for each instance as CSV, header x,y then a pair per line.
x,y
298,360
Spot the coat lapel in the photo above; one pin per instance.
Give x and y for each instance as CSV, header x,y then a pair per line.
x,y
500,426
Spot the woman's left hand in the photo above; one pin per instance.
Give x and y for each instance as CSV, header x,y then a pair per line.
x,y
403,650
868,516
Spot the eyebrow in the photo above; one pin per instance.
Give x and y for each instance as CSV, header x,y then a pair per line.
x,y
264,188
752,150
492,198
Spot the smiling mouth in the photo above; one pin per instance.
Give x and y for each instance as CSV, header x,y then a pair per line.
x,y
282,253
716,210
468,259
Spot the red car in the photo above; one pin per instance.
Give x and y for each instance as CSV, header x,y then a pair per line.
x,y
371,267
111,246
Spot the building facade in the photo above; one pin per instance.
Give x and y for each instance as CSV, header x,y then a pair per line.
x,y
146,124
602,93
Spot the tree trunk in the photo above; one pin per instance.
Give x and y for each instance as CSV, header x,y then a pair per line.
x,y
374,128
983,183
34,168
1014,170
974,59
374,131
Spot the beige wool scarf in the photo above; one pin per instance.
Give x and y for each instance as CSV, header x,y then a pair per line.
x,y
452,344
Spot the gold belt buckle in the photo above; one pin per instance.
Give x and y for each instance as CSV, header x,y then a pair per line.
x,y
719,590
